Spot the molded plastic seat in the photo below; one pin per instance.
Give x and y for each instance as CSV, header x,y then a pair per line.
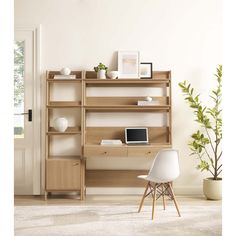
x,y
164,170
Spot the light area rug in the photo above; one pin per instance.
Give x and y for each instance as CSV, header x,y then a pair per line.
x,y
115,220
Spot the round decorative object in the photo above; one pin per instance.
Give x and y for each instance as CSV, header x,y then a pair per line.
x,y
149,99
60,124
212,189
114,74
101,74
65,71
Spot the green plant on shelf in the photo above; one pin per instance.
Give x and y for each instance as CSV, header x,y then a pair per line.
x,y
100,67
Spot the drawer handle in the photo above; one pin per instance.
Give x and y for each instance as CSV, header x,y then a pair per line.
x,y
105,152
149,152
76,164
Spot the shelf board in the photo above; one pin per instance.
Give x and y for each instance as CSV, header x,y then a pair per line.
x,y
66,157
125,82
64,80
64,104
127,108
50,74
69,131
157,145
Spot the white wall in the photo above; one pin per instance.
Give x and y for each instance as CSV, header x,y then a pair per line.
x,y
183,36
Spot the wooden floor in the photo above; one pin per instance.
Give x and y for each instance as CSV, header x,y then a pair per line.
x,y
103,199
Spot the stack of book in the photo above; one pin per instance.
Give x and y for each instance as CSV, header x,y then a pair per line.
x,y
64,77
111,142
148,103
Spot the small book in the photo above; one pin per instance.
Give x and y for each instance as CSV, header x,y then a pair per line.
x,y
111,142
64,77
148,103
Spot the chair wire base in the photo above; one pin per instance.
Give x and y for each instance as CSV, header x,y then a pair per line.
x,y
157,190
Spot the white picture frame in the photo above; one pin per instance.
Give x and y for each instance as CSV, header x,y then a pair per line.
x,y
128,64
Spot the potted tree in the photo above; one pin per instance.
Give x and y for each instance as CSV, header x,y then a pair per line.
x,y
205,143
101,70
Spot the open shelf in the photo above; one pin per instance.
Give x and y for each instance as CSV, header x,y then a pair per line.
x,y
64,80
125,101
63,104
126,82
69,157
127,108
68,131
64,172
50,75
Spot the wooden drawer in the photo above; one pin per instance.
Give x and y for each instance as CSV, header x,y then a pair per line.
x,y
142,151
63,174
105,151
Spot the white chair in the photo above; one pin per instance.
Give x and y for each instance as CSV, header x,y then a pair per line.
x,y
164,170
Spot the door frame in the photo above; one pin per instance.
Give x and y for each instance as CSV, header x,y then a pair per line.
x,y
36,35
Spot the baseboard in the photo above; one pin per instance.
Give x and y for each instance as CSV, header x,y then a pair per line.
x,y
179,190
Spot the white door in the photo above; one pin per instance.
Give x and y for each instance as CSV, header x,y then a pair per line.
x,y
26,133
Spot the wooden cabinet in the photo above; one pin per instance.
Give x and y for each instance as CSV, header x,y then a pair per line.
x,y
63,175
64,162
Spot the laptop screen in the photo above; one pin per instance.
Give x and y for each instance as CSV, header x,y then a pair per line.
x,y
136,135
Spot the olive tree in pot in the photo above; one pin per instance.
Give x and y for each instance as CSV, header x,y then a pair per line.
x,y
205,143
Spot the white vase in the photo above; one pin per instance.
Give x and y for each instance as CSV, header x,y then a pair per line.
x,y
60,124
212,189
101,74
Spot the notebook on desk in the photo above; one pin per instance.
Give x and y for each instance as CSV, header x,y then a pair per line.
x,y
136,136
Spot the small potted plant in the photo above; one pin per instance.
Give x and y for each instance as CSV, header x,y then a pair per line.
x,y
101,70
205,143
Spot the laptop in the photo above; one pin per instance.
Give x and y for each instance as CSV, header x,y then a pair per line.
x,y
136,136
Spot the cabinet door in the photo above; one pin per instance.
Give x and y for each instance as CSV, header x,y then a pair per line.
x,y
63,175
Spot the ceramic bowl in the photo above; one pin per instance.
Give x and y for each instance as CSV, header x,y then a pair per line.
x,y
65,71
114,74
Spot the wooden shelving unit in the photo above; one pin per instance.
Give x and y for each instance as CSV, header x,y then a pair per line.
x,y
160,137
64,173
67,172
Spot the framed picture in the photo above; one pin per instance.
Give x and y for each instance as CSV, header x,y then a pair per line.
x,y
128,64
145,70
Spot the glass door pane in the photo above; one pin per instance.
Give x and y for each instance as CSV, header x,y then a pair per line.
x,y
19,72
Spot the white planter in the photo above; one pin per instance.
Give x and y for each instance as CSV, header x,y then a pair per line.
x,y
101,74
212,189
60,124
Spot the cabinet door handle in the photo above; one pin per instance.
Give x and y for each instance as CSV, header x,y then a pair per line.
x,y
76,164
105,152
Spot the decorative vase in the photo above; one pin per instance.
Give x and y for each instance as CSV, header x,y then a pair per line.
x,y
60,124
101,74
212,189
65,71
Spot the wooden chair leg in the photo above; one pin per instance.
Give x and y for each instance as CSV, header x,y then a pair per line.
x,y
145,192
163,196
154,201
173,195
